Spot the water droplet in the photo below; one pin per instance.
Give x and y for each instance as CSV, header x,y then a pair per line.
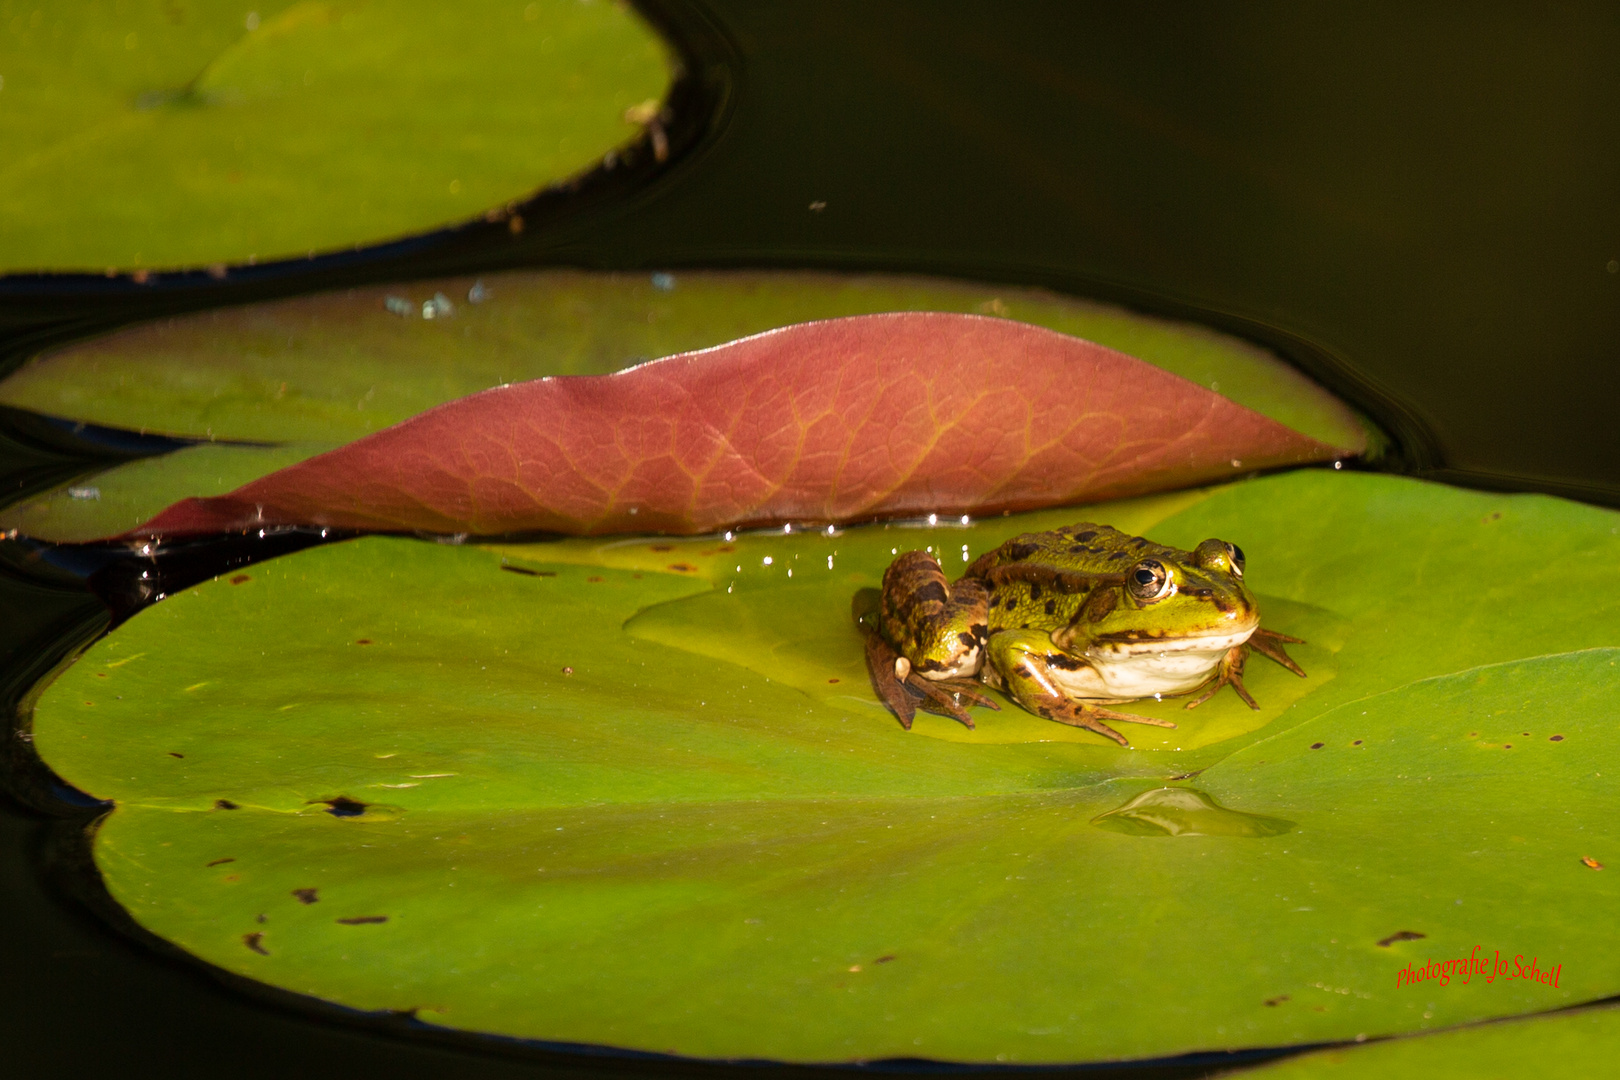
x,y
1177,811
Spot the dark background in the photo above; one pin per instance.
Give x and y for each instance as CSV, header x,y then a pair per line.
x,y
1419,207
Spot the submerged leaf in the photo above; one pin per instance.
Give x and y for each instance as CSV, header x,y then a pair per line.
x,y
834,421
639,793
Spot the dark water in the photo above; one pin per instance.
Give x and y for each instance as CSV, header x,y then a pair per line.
x,y
1418,207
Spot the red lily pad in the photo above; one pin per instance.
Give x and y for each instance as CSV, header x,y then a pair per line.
x,y
834,421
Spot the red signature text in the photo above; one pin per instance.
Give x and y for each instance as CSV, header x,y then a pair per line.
x,y
1464,968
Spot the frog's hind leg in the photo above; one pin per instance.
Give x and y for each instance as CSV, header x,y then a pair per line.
x,y
904,691
1269,643
1028,664
929,640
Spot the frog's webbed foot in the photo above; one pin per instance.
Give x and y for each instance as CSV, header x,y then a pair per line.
x,y
1229,673
904,691
1270,643
1082,715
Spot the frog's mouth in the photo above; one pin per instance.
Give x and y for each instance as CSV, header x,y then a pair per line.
x,y
1129,668
1123,646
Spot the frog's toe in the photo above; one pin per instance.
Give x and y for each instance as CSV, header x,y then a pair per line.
x,y
1091,718
937,699
887,680
1269,643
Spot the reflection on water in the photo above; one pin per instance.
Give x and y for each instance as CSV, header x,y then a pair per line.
x,y
1175,811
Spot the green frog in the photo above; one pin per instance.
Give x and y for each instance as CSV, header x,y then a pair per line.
x,y
1065,623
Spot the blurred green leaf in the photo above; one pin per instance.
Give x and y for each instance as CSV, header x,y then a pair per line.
x,y
122,497
335,366
1582,1043
170,133
639,793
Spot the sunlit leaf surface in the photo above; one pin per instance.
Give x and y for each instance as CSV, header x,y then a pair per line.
x,y
638,792
194,132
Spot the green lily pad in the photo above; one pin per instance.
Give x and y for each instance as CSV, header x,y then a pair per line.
x,y
335,366
1581,1043
118,499
638,793
194,132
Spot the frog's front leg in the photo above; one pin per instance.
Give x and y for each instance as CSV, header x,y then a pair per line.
x,y
1035,673
929,642
1230,671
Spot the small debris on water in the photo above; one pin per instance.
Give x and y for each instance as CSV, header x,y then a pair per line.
x,y
1401,935
818,206
400,306
362,920
252,941
85,492
663,282
221,862
1587,860
478,293
1274,1002
439,307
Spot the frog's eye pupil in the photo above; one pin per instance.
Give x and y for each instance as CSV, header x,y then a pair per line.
x,y
1150,580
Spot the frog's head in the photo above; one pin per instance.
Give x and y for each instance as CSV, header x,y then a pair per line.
x,y
1169,599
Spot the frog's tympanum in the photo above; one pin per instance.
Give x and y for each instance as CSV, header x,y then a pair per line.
x,y
1066,622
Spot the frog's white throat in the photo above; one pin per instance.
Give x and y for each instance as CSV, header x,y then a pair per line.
x,y
1127,670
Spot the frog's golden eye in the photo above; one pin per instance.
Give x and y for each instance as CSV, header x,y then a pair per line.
x,y
1236,554
1149,580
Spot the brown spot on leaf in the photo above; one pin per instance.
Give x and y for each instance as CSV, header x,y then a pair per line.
x,y
224,804
175,753
1587,860
832,680
1401,935
221,862
362,920
343,806
1555,738
1317,745
239,578
593,579
363,641
884,959
1274,1002
306,896
252,941
683,568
